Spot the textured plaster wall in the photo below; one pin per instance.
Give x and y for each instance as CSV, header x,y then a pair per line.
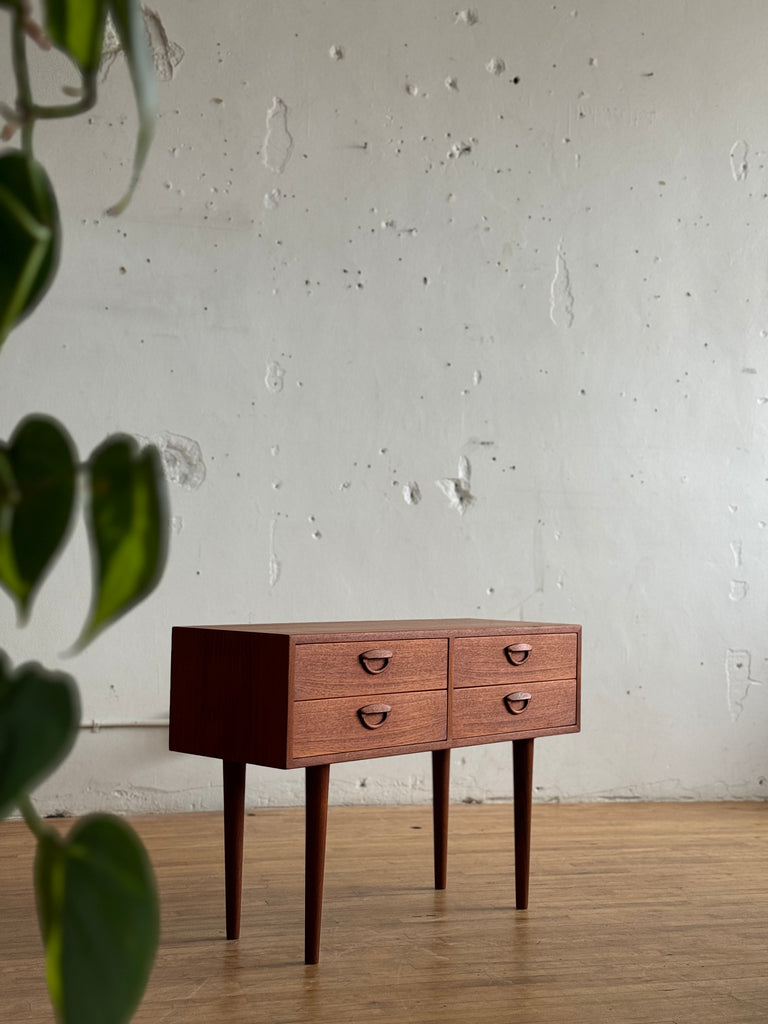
x,y
434,312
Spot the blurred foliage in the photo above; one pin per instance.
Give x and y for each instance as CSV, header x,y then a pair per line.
x,y
96,894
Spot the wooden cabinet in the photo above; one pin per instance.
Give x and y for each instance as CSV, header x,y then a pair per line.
x,y
312,694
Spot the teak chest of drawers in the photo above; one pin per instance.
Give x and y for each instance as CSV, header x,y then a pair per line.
x,y
307,695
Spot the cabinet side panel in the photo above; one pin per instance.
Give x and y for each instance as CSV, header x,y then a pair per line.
x,y
229,695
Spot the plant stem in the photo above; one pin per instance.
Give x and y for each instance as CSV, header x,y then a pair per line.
x,y
21,73
34,822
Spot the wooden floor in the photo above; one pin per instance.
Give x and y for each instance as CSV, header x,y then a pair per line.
x,y
652,913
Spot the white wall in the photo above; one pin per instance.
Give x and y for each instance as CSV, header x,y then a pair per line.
x,y
417,264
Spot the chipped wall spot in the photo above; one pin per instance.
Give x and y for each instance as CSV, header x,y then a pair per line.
x,y
738,590
452,83
275,566
739,681
477,376
561,294
177,524
457,490
496,66
182,459
460,149
411,493
274,379
467,17
336,52
166,55
278,142
739,160
411,89
272,199
737,552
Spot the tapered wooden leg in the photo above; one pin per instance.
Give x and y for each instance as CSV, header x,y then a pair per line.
x,y
317,777
441,773
234,814
522,762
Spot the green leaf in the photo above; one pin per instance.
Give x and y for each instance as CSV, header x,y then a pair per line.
x,y
31,237
77,28
39,717
128,528
98,911
129,25
37,489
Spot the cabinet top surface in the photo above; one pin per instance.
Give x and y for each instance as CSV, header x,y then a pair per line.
x,y
411,627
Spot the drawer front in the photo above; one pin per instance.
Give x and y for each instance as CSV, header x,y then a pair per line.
x,y
496,660
343,724
337,670
490,710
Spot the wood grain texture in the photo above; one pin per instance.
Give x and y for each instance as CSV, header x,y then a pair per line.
x,y
326,727
335,670
482,660
482,711
642,914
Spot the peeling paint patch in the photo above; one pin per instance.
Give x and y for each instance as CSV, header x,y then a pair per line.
x,y
739,681
182,459
272,199
278,142
496,66
738,590
274,379
411,494
177,524
166,55
737,552
561,294
467,17
336,52
457,490
459,149
275,566
739,160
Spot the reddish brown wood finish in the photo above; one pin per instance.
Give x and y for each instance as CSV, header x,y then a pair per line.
x,y
317,779
483,711
234,816
441,773
338,670
311,694
325,727
483,660
522,761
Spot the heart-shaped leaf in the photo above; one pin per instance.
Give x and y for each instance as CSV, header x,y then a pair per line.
x,y
128,528
37,488
98,911
39,716
77,28
31,237
129,25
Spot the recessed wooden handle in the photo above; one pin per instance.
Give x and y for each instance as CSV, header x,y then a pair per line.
x,y
517,653
373,716
516,703
375,661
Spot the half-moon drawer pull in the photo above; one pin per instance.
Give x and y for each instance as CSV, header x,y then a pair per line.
x,y
373,716
517,653
517,702
375,661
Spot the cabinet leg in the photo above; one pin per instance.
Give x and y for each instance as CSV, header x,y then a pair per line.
x,y
317,777
234,813
522,760
441,773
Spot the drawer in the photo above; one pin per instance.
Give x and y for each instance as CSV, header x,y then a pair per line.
x,y
490,710
343,724
496,660
364,667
